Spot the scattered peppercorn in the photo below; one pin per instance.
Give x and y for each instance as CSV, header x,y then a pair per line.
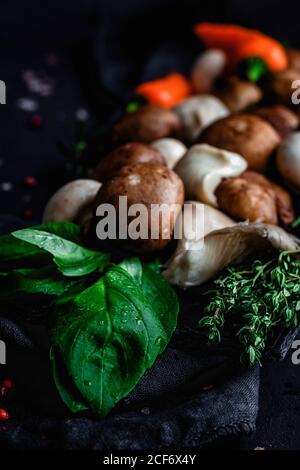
x,y
36,120
30,181
207,387
8,384
28,213
4,416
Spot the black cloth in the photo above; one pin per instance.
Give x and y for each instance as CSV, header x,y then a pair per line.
x,y
192,396
172,406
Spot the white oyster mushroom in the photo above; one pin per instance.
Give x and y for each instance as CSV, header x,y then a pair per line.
x,y
72,202
203,259
198,112
202,169
196,221
171,149
209,66
288,159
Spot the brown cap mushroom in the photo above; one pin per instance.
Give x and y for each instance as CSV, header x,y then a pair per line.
x,y
127,154
280,88
280,117
239,95
246,201
252,196
146,184
293,56
246,134
146,124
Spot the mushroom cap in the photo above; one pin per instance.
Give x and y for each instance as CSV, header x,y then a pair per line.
x,y
146,184
146,124
280,117
202,169
239,95
246,134
72,202
282,198
288,159
127,154
246,200
198,112
280,86
293,56
171,149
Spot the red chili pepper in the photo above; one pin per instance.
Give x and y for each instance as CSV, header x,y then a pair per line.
x,y
242,43
167,91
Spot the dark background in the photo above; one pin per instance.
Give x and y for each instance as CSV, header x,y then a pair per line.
x,y
102,49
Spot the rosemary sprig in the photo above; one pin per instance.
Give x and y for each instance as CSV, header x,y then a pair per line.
x,y
256,299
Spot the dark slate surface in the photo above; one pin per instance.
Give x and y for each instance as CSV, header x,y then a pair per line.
x,y
28,33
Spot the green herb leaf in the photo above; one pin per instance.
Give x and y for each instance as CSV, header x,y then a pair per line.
x,y
109,334
47,280
257,300
13,249
71,258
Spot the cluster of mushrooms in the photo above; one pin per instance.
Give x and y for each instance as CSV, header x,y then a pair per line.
x,y
215,148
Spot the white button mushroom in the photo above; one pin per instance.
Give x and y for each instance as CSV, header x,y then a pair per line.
x,y
72,202
202,169
198,112
288,159
209,66
171,149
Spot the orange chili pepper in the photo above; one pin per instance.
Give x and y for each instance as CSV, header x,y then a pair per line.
x,y
167,91
242,43
268,49
223,36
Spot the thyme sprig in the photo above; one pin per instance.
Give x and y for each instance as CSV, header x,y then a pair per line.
x,y
256,300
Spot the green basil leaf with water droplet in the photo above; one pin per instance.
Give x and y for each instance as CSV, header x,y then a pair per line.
x,y
47,280
111,333
13,249
71,258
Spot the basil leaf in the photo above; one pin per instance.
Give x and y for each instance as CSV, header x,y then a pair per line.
x,y
109,334
46,280
71,258
134,267
12,249
71,398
